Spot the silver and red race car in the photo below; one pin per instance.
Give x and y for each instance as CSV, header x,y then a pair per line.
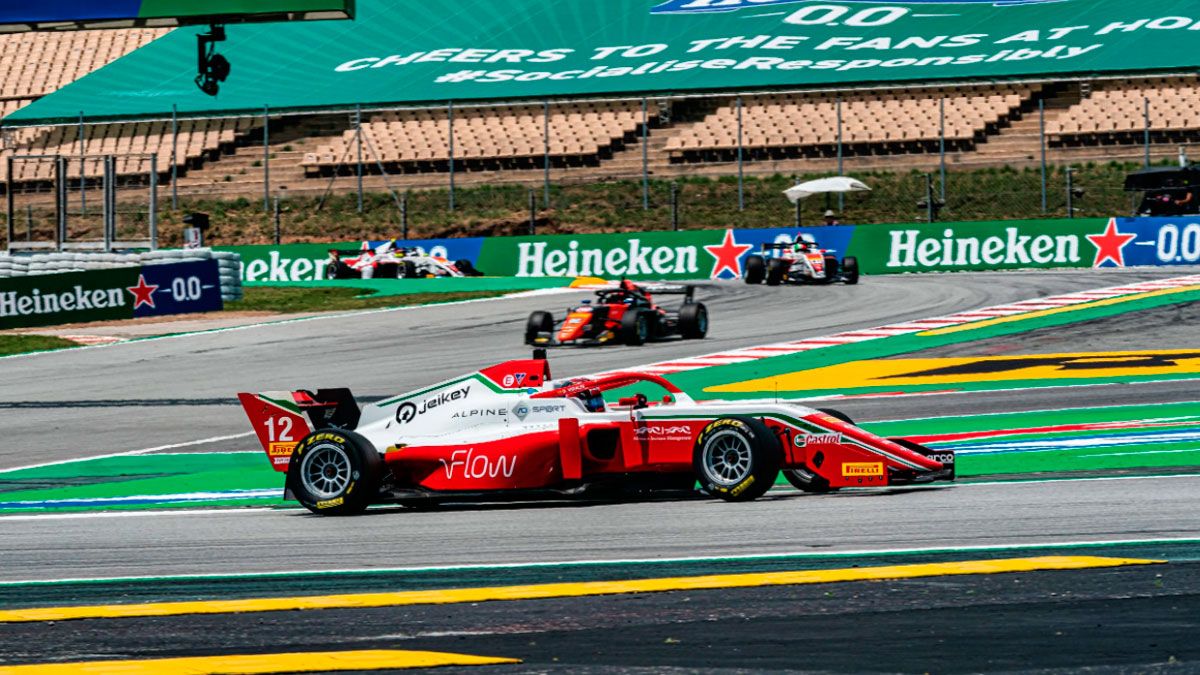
x,y
388,261
800,262
511,432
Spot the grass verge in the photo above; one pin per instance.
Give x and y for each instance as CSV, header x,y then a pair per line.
x,y
20,344
295,300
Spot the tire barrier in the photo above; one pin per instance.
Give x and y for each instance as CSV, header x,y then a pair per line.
x,y
229,264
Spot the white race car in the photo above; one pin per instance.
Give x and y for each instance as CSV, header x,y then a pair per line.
x,y
388,261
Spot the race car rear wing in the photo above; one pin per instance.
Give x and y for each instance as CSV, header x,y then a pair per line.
x,y
688,292
281,419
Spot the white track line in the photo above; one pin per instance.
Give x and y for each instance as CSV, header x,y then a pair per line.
x,y
130,453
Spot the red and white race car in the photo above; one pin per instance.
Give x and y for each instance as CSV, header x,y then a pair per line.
x,y
509,431
800,262
388,261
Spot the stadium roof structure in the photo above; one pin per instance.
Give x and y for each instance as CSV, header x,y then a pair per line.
x,y
401,52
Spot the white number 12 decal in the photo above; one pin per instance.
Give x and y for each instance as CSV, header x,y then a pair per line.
x,y
285,429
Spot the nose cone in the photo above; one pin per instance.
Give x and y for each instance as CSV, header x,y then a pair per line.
x,y
574,326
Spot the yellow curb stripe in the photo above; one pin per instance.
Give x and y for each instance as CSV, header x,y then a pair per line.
x,y
1057,310
250,664
567,590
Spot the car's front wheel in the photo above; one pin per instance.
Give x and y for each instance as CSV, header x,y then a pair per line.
x,y
777,270
737,458
756,269
335,473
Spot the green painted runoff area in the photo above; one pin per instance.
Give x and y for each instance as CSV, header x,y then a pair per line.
x,y
382,287
698,382
223,479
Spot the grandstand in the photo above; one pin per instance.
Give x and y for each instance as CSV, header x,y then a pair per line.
x,y
892,127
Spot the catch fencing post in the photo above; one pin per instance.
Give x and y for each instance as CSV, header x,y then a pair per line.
x,y
29,222
278,224
153,202
942,142
1070,192
404,216
740,159
9,198
840,154
674,206
266,159
645,154
82,169
174,163
358,140
110,206
60,200
450,118
1146,132
546,144
1042,143
532,211
799,202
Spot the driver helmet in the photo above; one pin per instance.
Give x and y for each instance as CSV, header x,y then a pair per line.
x,y
594,400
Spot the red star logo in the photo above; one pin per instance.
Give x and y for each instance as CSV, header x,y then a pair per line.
x,y
1110,245
728,256
143,293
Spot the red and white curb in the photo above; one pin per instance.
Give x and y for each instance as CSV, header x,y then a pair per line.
x,y
748,354
93,339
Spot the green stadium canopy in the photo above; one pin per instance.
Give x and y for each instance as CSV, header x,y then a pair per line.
x,y
402,52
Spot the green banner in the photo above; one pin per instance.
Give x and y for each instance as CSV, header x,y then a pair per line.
x,y
288,262
998,245
107,295
403,52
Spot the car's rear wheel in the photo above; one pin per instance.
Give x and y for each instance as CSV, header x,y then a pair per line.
x,y
339,270
635,327
467,268
407,270
777,269
539,322
693,321
850,270
737,458
335,473
756,269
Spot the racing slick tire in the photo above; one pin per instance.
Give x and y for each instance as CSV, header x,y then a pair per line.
x,y
922,450
737,459
832,268
693,321
406,270
335,473
777,270
539,322
836,413
756,269
339,270
850,270
806,481
467,268
635,327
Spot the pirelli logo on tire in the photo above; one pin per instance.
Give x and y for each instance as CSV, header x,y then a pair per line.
x,y
862,469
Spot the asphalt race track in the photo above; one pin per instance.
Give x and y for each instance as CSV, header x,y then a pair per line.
x,y
139,395
173,394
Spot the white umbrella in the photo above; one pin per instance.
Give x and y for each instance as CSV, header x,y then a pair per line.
x,y
823,185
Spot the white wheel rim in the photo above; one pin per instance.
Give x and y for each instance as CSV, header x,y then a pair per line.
x,y
727,458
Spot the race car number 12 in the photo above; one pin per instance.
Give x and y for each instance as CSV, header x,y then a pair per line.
x,y
285,429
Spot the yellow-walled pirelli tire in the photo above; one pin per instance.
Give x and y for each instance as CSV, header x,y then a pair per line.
x,y
737,458
335,472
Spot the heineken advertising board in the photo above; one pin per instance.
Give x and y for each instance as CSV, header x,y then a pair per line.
x,y
431,52
106,295
307,262
722,254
